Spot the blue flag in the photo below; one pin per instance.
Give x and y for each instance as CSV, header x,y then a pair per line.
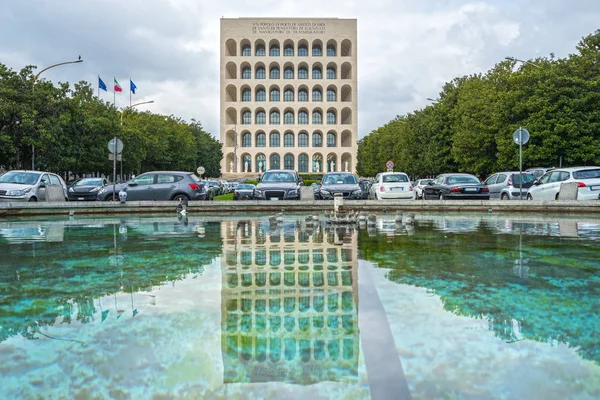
x,y
101,84
132,86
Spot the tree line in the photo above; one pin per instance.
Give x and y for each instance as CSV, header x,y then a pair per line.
x,y
70,128
470,127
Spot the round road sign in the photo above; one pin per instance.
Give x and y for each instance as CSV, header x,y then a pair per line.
x,y
112,143
389,164
521,136
200,170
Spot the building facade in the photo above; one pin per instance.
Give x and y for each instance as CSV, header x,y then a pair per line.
x,y
288,94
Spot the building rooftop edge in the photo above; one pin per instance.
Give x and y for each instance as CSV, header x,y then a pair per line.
x,y
281,18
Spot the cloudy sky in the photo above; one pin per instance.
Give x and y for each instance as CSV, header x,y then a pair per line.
x,y
407,49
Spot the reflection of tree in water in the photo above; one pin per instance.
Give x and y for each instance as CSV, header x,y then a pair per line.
x,y
64,278
473,273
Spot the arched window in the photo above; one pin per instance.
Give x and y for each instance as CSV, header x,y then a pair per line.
x,y
303,139
274,95
274,72
330,72
247,165
288,140
331,95
261,95
274,50
274,161
288,73
317,117
261,118
288,118
302,95
274,140
288,161
260,50
331,139
303,117
274,118
317,73
261,73
246,51
302,51
317,140
331,51
246,140
302,163
246,118
261,140
302,73
288,50
288,95
317,51
246,73
317,95
247,94
331,120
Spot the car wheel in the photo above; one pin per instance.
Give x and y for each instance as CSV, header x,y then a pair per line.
x,y
529,197
32,200
504,196
179,197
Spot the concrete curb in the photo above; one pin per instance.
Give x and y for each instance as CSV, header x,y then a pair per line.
x,y
252,206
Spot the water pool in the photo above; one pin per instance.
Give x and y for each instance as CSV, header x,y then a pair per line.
x,y
454,306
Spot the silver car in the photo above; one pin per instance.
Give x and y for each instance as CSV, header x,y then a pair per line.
x,y
506,185
22,185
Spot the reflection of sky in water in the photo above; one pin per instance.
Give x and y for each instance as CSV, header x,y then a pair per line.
x,y
483,306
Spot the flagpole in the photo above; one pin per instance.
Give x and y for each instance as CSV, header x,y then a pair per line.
x,y
129,92
114,91
98,86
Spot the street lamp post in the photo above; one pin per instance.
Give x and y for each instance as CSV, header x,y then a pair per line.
x,y
115,141
521,61
35,78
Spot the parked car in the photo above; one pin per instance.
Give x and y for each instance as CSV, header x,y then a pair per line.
x,y
21,185
244,192
316,187
419,185
365,186
506,185
278,184
391,185
456,186
537,171
548,186
340,182
159,185
211,189
86,188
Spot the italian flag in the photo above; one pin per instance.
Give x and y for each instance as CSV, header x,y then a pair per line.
x,y
117,86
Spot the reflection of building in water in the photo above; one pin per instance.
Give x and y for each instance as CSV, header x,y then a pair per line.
x,y
289,300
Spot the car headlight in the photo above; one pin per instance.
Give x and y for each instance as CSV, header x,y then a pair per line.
x,y
257,192
293,192
21,192
101,191
325,192
71,190
96,189
357,191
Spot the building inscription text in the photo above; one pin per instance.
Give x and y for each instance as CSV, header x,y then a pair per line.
x,y
288,28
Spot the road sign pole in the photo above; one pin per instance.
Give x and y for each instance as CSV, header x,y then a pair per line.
x,y
520,163
114,167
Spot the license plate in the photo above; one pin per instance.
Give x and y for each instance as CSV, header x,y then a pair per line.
x,y
396,188
274,198
80,198
594,187
470,189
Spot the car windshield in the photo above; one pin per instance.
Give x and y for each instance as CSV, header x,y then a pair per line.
x,y
587,174
195,178
395,178
527,178
278,177
339,179
23,178
425,181
89,182
246,186
213,183
453,180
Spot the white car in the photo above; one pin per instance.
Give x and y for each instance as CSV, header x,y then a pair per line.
x,y
419,186
548,187
22,185
391,185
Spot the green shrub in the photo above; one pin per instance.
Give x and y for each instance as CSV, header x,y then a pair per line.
x,y
251,182
308,182
224,197
308,177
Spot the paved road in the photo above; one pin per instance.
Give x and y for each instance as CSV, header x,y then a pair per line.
x,y
306,193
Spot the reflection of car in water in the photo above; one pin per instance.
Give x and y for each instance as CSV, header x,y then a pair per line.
x,y
32,233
